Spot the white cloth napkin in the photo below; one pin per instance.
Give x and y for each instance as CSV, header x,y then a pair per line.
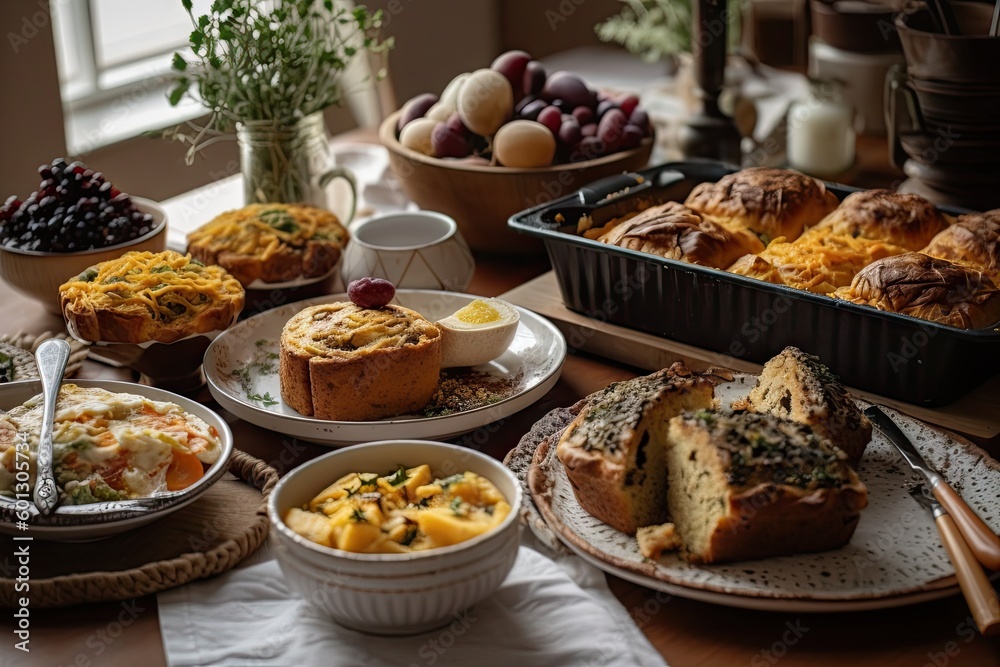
x,y
546,613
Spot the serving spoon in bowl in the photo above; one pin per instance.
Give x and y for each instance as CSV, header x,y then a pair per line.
x,y
51,357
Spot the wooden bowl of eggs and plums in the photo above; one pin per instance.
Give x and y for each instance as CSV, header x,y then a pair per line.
x,y
500,140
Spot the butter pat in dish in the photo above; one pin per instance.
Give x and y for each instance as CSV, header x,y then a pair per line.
x,y
477,333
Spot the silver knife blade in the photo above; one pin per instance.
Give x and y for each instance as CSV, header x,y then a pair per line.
x,y
926,500
976,533
895,435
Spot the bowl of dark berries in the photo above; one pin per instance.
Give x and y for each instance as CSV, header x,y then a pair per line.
x,y
75,220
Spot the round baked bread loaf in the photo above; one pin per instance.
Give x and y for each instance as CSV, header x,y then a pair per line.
x,y
674,231
271,242
145,296
613,450
342,362
745,485
929,288
974,240
905,220
770,202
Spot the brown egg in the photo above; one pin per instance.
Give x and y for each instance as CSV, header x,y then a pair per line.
x,y
524,144
417,135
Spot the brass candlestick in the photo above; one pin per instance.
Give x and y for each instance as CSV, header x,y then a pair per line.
x,y
710,133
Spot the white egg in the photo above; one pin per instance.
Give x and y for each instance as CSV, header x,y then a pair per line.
x,y
477,333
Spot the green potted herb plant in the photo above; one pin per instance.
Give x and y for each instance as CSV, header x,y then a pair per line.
x,y
658,30
266,71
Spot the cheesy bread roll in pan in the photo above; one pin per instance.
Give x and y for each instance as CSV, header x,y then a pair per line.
x,y
769,202
674,231
929,288
974,240
905,220
815,263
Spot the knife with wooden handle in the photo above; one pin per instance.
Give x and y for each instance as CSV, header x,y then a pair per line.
x,y
981,539
976,587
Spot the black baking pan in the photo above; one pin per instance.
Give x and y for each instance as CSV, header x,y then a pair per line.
x,y
889,354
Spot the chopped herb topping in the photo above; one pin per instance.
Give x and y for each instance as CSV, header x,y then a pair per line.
x,y
448,481
411,534
280,220
6,368
399,477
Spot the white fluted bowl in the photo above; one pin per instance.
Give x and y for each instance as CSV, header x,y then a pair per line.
x,y
394,594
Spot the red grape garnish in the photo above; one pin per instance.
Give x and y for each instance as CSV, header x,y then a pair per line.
x,y
370,292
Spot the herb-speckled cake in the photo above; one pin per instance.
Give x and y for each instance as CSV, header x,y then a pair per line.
x,y
744,485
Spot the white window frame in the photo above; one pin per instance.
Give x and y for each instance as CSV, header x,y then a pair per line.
x,y
94,91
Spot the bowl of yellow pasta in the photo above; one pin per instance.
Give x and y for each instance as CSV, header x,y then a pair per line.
x,y
396,537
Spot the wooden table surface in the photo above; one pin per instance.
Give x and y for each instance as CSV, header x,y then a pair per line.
x,y
687,633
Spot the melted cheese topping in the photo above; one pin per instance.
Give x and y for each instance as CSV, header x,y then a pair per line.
x,y
110,446
341,328
817,262
400,512
263,230
167,284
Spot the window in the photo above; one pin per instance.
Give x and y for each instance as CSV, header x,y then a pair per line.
x,y
114,59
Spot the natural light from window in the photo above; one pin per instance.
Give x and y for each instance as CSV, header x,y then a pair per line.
x,y
113,58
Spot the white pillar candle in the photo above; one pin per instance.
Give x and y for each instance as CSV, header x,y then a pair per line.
x,y
821,135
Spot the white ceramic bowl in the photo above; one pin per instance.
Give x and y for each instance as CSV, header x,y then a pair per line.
x,y
39,274
74,523
394,594
412,250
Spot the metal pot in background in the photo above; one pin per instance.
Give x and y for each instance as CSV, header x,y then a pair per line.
x,y
943,109
855,43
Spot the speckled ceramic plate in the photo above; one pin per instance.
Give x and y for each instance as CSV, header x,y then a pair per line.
x,y
895,557
241,366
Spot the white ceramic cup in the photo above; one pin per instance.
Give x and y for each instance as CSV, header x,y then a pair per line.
x,y
413,250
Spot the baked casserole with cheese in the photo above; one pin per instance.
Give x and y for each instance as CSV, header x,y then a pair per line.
x,y
271,243
110,446
146,296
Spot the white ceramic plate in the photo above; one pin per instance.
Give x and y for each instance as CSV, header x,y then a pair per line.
x,y
895,557
95,526
260,285
241,366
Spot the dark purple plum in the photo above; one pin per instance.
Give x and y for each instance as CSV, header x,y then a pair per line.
x,y
416,108
569,88
534,78
512,65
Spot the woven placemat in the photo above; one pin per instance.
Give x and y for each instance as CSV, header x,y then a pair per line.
x,y
211,535
30,342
